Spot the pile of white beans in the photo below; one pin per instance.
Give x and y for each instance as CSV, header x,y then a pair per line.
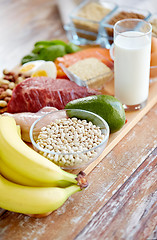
x,y
71,137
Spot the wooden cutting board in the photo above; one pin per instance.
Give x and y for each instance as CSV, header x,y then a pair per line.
x,y
132,119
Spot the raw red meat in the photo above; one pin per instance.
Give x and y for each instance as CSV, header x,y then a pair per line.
x,y
35,93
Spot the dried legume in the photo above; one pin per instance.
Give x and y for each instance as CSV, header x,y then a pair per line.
x,y
72,137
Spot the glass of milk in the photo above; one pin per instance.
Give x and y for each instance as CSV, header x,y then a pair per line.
x,y
132,49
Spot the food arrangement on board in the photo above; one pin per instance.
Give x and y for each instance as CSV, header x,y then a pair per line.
x,y
40,88
32,184
50,123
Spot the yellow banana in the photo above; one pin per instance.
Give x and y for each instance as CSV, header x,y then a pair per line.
x,y
33,200
18,129
25,162
13,176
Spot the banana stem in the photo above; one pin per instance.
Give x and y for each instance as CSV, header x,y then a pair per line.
x,y
72,189
81,180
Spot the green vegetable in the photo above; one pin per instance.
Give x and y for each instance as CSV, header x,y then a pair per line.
x,y
30,57
37,49
50,43
50,50
71,48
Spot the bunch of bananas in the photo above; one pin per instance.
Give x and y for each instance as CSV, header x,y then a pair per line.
x,y
30,183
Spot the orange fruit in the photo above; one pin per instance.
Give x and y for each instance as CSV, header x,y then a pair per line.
x,y
153,64
153,61
154,45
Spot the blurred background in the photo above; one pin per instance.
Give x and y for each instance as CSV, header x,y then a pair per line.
x,y
20,28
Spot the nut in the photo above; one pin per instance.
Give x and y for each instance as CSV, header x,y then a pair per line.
x,y
7,99
5,86
12,78
1,90
3,95
8,77
9,92
4,81
5,72
11,85
20,79
3,103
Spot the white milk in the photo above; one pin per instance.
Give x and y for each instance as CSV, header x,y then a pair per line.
x,y
132,64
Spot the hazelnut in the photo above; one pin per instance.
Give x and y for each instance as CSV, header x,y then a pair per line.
x,y
5,72
5,86
8,77
1,90
3,95
7,99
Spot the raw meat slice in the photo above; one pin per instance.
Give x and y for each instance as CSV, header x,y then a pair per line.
x,y
26,119
35,93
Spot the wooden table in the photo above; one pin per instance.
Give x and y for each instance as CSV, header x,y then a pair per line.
x,y
121,200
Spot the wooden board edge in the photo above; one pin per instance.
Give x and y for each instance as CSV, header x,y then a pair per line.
x,y
122,133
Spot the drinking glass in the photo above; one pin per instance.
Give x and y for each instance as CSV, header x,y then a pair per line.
x,y
132,49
